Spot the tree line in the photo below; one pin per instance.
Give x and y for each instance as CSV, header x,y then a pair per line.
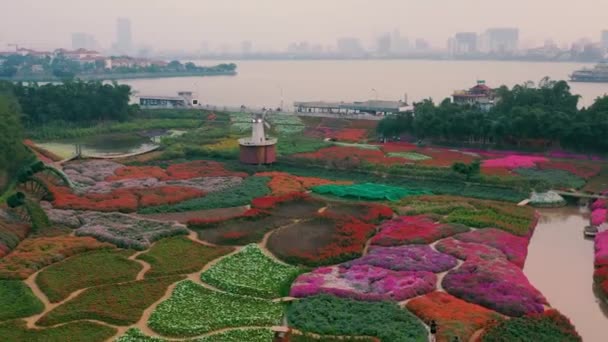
x,y
72,101
12,152
546,114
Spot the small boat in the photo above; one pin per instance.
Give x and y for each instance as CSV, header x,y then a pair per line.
x,y
590,231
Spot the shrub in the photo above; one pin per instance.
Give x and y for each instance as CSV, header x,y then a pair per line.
x,y
328,315
95,268
17,300
179,255
194,310
547,326
250,272
120,304
420,229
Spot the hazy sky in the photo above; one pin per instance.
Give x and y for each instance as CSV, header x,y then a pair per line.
x,y
184,24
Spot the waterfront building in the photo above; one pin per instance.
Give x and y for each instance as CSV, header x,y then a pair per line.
x,y
183,99
480,95
501,40
374,107
463,43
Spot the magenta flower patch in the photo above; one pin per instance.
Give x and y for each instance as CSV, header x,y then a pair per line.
x,y
514,162
468,250
513,246
364,282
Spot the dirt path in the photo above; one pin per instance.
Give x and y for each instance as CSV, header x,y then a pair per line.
x,y
145,266
194,237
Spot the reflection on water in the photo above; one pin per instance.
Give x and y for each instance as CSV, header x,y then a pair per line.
x,y
107,144
560,265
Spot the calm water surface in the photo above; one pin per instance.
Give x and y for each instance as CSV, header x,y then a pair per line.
x,y
560,265
106,144
265,83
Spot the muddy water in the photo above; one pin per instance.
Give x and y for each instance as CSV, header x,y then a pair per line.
x,y
560,265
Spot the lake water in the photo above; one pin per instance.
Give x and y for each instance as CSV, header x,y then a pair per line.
x,y
100,145
265,83
560,265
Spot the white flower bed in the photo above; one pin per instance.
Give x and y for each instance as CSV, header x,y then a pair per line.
x,y
250,272
194,310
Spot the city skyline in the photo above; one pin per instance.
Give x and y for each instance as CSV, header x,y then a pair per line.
x,y
273,25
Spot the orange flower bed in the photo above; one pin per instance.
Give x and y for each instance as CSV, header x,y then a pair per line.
x,y
123,200
284,183
454,316
33,254
189,170
349,134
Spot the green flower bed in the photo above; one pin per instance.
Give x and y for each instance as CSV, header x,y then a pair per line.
x,y
194,310
250,272
369,191
90,269
120,304
242,194
179,255
16,331
409,155
17,300
235,335
297,143
328,315
548,326
555,178
286,124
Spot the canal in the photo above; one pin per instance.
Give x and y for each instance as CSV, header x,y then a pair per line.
x,y
560,265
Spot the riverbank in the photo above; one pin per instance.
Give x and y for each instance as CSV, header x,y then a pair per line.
x,y
121,76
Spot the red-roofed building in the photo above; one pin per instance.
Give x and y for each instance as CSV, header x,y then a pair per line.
x,y
480,95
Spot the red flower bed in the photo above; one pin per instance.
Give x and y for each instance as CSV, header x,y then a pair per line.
x,y
444,158
585,170
349,134
284,183
398,147
270,202
365,212
419,229
351,154
123,200
496,171
454,316
189,170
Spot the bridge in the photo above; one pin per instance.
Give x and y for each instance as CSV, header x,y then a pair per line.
x,y
578,194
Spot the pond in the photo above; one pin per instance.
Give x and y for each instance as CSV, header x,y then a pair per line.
x,y
560,265
107,144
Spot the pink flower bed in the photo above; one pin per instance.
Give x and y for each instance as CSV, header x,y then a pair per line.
x,y
468,250
406,258
599,204
601,249
599,216
496,284
513,246
364,282
514,161
419,229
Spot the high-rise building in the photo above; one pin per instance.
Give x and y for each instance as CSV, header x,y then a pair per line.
x,y
124,40
463,43
501,40
349,46
383,44
604,39
399,45
422,45
83,41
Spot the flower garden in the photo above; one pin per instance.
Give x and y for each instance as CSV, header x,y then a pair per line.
x,y
343,239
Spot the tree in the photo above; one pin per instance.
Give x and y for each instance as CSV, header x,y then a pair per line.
x,y
12,153
468,171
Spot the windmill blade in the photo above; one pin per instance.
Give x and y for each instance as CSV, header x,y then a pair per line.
x,y
266,124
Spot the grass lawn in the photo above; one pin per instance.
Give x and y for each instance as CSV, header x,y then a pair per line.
x,y
179,255
115,304
90,269
17,300
250,272
15,331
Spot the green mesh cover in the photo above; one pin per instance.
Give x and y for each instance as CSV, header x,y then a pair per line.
x,y
368,191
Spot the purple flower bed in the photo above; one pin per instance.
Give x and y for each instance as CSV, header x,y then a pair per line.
x,y
364,282
468,250
513,246
496,284
406,258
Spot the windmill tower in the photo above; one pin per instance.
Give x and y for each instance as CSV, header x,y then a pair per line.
x,y
258,149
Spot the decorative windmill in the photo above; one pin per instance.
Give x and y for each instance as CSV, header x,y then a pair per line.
x,y
258,149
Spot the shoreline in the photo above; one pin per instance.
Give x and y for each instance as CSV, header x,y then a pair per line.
x,y
111,77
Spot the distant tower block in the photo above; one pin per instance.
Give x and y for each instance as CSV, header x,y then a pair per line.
x,y
258,149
